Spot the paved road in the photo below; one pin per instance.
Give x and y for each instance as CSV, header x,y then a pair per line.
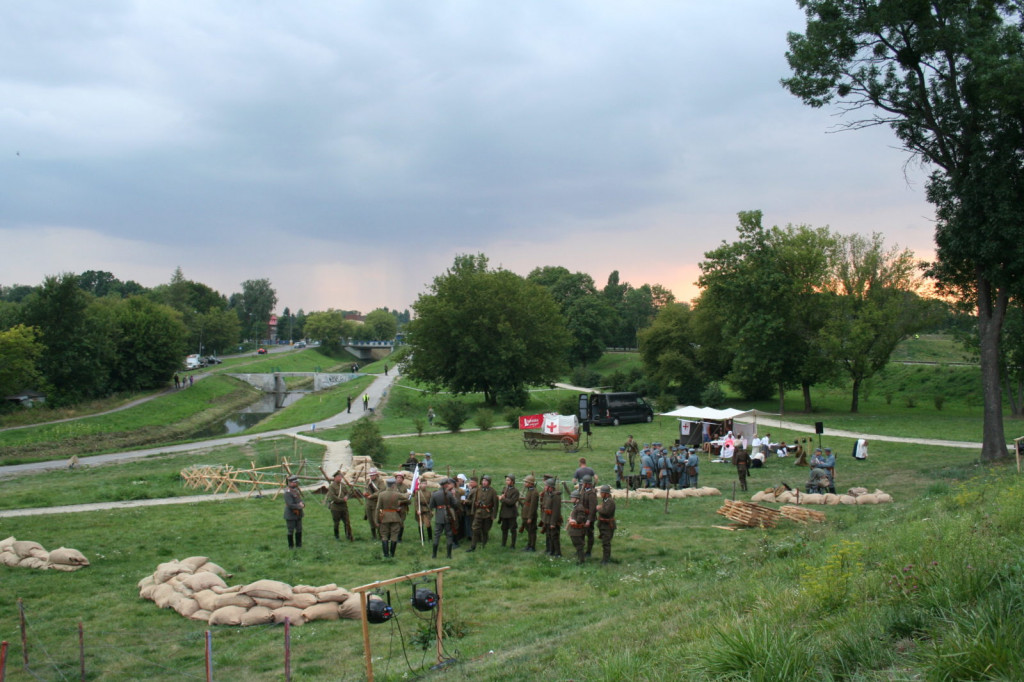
x,y
377,390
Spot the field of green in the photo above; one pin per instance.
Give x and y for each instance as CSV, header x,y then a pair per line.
x,y
930,587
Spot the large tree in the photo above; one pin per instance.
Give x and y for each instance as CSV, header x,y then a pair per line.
x,y
948,77
487,331
764,305
874,306
380,325
20,351
587,315
669,352
254,306
149,344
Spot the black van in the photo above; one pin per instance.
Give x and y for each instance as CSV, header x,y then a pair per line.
x,y
619,408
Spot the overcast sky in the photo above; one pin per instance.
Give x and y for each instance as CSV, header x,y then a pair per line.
x,y
348,151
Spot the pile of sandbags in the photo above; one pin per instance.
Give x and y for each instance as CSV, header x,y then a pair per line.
x,y
659,494
28,554
852,496
195,588
359,474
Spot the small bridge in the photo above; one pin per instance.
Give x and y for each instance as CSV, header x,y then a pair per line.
x,y
364,349
275,383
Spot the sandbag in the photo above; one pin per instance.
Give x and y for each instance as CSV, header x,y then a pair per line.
x,y
351,608
268,589
206,599
227,590
148,580
26,548
812,498
858,491
210,567
257,615
324,611
339,595
271,604
168,570
9,558
164,595
329,587
233,599
7,544
867,498
203,581
66,555
67,568
201,615
883,498
292,613
227,615
32,562
303,589
194,563
847,499
186,606
301,601
831,498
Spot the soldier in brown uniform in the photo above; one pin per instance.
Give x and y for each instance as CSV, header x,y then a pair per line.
x,y
508,510
421,498
389,517
576,527
742,461
485,510
371,492
443,504
530,500
588,499
606,523
293,511
337,500
551,517
403,489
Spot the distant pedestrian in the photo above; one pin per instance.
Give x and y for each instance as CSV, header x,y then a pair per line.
x,y
385,369
177,380
191,379
430,416
366,402
349,406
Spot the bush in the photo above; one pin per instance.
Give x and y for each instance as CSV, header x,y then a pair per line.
x,y
585,378
911,401
510,417
569,404
419,424
940,400
713,395
452,414
484,419
366,441
513,397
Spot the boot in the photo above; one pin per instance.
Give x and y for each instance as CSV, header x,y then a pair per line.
x,y
337,535
430,533
514,533
433,554
401,532
348,533
291,540
384,548
504,536
393,546
298,539
449,550
373,532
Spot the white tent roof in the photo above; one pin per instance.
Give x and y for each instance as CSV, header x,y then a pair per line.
x,y
693,413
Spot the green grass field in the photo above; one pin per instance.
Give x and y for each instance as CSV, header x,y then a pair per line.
x,y
927,588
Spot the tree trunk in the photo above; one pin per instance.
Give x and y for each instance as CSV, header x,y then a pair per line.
x,y
782,399
807,397
855,401
1011,397
991,313
1019,405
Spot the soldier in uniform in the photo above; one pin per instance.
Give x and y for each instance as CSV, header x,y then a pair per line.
x,y
508,510
577,525
693,467
632,450
588,500
742,461
606,523
647,467
443,504
370,494
403,490
620,466
530,500
423,517
663,468
389,517
551,517
293,511
485,510
337,500
467,507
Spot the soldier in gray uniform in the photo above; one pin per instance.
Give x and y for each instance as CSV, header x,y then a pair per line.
x,y
693,467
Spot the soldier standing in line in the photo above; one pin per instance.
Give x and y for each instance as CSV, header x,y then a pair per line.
x,y
620,466
389,517
577,525
509,510
529,499
459,491
588,500
293,511
468,499
370,493
443,504
551,517
693,468
422,502
647,467
337,500
485,510
606,523
402,489
663,468
632,450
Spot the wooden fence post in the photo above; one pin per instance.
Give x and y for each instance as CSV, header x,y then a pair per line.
x,y
24,633
209,656
3,660
81,651
288,649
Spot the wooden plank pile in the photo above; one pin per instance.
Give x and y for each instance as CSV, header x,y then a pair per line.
x,y
802,514
749,514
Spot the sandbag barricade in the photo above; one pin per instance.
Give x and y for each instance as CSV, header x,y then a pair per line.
x,y
659,494
195,588
28,554
852,496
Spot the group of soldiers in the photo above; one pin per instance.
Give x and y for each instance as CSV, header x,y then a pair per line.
x,y
674,467
465,509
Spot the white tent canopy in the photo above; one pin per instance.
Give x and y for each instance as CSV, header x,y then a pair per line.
x,y
693,413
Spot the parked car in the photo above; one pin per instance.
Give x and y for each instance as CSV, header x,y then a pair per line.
x,y
261,351
211,360
300,344
194,361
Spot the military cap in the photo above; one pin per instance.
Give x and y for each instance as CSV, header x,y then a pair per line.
x,y
606,489
587,478
292,479
336,473
373,471
574,494
391,480
400,473
529,479
485,477
622,448
512,476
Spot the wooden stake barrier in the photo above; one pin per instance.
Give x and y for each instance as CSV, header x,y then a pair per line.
x,y
209,656
801,514
363,589
81,651
288,649
3,660
24,634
